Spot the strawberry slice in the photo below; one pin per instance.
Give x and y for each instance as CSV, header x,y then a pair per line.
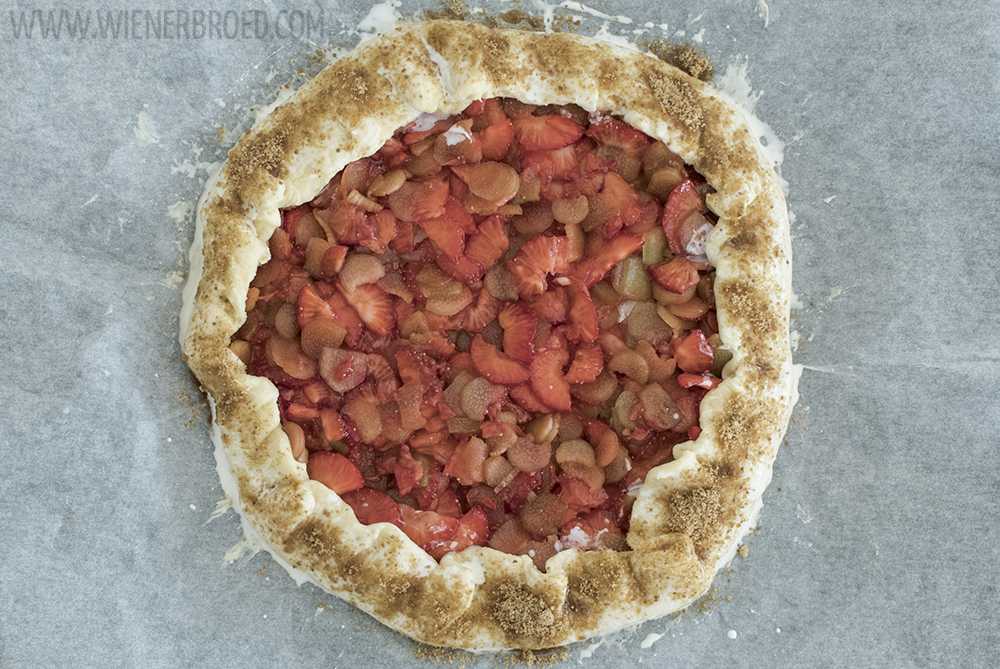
x,y
489,243
675,276
467,461
698,380
547,378
334,471
409,472
496,139
608,131
526,398
345,314
588,363
482,313
685,227
694,355
610,254
373,306
373,506
496,367
473,530
428,529
546,133
310,306
446,234
535,261
461,268
415,201
519,326
583,316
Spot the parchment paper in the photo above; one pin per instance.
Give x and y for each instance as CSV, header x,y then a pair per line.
x,y
878,543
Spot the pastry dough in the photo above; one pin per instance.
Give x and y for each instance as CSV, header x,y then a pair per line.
x,y
691,512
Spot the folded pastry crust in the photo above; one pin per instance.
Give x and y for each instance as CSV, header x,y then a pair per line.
x,y
690,513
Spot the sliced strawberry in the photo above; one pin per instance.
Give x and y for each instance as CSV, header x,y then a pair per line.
x,y
496,139
490,242
495,366
311,306
583,316
373,506
686,229
694,355
547,377
345,314
535,261
448,236
608,131
545,133
588,363
480,314
467,461
611,253
332,261
551,306
409,472
428,529
519,326
698,380
473,530
334,471
525,397
373,306
415,201
675,276
461,268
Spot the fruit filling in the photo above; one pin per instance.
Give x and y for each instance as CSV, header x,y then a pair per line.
x,y
489,331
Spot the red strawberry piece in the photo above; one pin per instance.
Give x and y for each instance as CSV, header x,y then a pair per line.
x,y
698,380
481,313
334,471
446,502
496,367
676,276
560,164
583,316
545,133
333,261
428,529
473,530
373,506
415,367
462,268
415,201
615,206
694,355
333,426
526,398
537,259
489,243
495,140
347,317
685,226
579,495
608,131
311,306
547,377
588,363
475,108
409,472
342,369
373,306
446,234
694,433
519,326
609,253
466,463
551,306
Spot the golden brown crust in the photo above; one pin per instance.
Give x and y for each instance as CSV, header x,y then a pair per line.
x,y
690,513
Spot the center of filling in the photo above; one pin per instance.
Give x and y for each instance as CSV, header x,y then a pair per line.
x,y
488,332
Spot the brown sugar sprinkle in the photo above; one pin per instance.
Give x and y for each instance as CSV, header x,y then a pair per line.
x,y
521,613
684,57
744,551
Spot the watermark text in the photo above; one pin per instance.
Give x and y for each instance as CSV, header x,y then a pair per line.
x,y
165,24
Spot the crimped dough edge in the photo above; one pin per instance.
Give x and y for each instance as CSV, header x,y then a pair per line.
x,y
690,514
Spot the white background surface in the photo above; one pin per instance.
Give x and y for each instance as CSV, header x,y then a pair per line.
x,y
878,544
